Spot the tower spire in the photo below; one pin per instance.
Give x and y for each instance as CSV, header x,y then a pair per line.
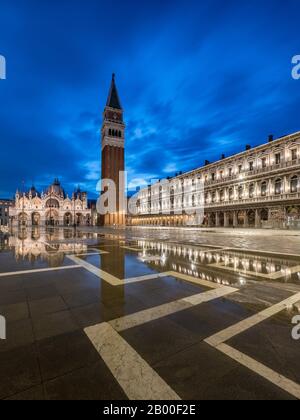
x,y
113,100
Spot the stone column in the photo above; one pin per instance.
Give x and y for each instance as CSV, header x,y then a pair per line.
x,y
257,219
217,219
286,186
226,219
246,221
209,220
235,219
270,190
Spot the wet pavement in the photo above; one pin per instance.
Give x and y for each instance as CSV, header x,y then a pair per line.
x,y
149,314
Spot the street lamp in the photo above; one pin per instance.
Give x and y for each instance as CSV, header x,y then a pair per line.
x,y
23,204
74,215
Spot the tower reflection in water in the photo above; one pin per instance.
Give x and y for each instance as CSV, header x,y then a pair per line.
x,y
113,296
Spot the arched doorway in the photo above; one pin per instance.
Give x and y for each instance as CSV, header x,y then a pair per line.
x,y
68,219
52,218
35,219
221,219
212,219
23,219
251,218
293,212
79,219
264,215
241,218
230,218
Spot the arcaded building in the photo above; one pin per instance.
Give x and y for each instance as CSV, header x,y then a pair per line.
x,y
52,207
255,188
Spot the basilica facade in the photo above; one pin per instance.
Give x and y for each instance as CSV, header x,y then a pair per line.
x,y
52,207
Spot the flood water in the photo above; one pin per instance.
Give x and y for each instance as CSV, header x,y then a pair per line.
x,y
126,257
155,295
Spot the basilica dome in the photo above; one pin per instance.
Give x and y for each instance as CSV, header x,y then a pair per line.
x,y
56,189
33,192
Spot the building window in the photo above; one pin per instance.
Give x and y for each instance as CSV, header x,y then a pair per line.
x,y
264,162
213,197
278,186
221,174
230,171
263,189
251,166
294,154
231,194
213,176
241,193
278,158
240,168
251,191
222,195
294,184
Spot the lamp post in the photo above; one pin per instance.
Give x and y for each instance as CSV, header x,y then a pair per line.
x,y
74,215
23,204
50,219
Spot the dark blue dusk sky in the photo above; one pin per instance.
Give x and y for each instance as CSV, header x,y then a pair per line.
x,y
196,79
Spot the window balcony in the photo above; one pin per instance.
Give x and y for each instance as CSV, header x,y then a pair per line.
x,y
255,171
256,200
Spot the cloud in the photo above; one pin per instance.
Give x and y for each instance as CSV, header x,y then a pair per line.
x,y
218,83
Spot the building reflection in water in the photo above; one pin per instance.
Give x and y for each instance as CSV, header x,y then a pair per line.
x,y
51,245
192,260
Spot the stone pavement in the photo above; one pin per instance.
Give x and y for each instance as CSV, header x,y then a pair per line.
x,y
148,315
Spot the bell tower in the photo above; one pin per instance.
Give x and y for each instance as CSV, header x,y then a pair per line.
x,y
113,143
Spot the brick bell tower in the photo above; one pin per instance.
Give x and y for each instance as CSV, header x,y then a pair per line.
x,y
113,139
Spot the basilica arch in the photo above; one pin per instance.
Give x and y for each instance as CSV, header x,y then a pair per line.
x,y
35,219
23,219
52,218
68,219
79,219
52,203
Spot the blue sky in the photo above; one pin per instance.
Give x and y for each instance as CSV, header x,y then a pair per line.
x,y
196,79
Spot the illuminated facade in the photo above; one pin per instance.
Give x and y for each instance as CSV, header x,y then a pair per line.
x,y
256,188
50,208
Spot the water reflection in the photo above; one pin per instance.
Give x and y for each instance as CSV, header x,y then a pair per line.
x,y
212,264
191,260
44,245
36,247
